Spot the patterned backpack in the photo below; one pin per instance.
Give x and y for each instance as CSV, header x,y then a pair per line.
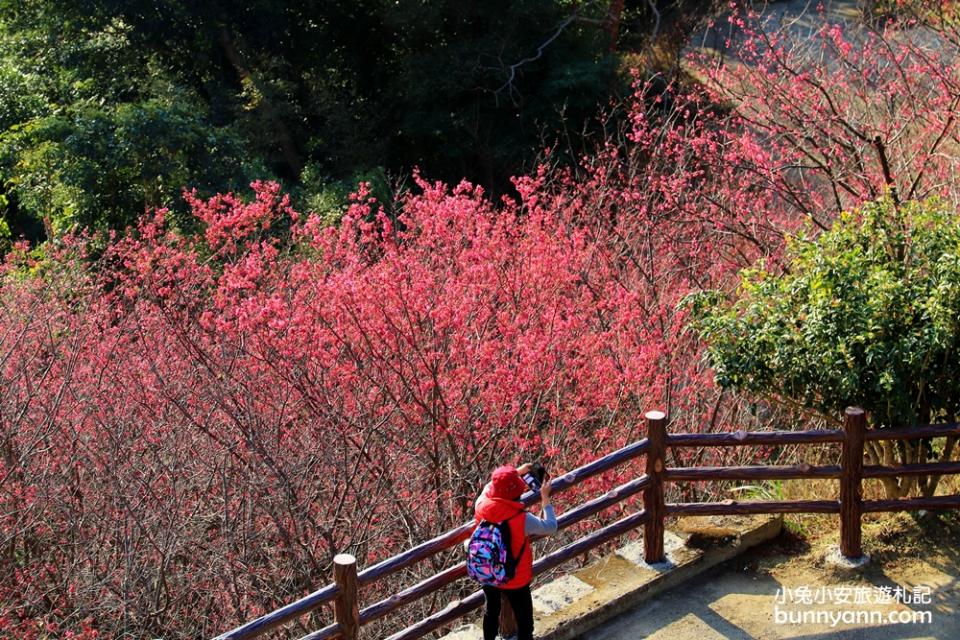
x,y
489,560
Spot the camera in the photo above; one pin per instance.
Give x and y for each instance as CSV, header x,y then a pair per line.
x,y
534,477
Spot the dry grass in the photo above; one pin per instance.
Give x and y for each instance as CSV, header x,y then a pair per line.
x,y
902,533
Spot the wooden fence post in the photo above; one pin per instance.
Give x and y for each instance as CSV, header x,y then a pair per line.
x,y
653,494
347,606
508,621
851,482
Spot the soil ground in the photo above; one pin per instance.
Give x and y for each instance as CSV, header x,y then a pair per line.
x,y
742,598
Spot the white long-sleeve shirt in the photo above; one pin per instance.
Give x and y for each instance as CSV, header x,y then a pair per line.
x,y
534,526
546,526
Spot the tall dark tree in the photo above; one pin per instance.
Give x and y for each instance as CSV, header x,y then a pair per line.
x,y
127,101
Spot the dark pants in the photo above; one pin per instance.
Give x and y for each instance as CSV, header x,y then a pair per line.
x,y
522,605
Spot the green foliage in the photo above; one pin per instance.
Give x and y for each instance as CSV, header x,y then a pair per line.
x,y
99,167
765,490
4,232
21,97
867,313
330,198
93,130
110,106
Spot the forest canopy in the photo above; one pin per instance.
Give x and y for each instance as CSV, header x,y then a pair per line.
x,y
111,107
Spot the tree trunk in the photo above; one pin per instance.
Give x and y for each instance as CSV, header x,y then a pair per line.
x,y
285,139
614,18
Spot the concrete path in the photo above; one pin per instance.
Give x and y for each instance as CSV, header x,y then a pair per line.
x,y
769,594
799,18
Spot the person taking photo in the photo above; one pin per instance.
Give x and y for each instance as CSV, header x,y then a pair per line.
x,y
499,555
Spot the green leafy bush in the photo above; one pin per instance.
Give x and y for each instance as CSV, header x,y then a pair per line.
x,y
864,314
867,313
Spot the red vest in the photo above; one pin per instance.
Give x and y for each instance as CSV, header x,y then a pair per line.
x,y
518,536
498,510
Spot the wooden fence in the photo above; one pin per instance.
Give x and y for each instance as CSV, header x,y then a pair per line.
x,y
850,505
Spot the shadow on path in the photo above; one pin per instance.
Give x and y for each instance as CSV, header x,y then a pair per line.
x,y
741,600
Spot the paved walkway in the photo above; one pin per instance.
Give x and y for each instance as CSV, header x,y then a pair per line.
x,y
768,594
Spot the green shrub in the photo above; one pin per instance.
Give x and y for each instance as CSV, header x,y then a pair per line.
x,y
864,314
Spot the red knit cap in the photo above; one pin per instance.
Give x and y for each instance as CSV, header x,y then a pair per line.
x,y
507,483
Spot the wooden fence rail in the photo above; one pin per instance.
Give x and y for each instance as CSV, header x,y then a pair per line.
x,y
344,591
